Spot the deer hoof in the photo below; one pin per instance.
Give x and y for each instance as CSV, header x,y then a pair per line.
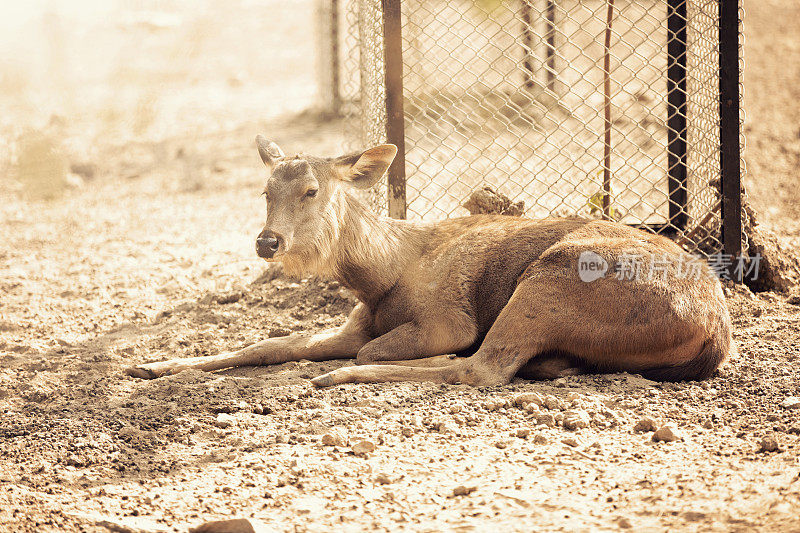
x,y
325,380
140,372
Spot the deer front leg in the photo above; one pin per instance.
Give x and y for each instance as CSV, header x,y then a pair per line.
x,y
341,343
412,341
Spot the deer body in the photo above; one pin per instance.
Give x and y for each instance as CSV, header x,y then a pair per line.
x,y
508,287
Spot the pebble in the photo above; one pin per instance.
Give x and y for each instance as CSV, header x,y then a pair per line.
x,y
363,447
334,437
769,444
463,490
553,403
527,398
383,479
791,402
546,419
495,404
645,424
575,419
224,420
501,444
523,433
624,523
569,441
665,434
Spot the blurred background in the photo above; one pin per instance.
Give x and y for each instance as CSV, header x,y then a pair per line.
x,y
80,78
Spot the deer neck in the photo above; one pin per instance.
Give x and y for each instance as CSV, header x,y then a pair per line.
x,y
372,251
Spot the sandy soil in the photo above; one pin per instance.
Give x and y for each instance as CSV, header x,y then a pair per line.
x,y
153,259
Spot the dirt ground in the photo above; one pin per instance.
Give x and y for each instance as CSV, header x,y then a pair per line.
x,y
152,258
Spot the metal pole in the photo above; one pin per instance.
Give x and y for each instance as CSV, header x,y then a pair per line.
x,y
336,97
607,114
550,50
395,125
676,113
527,44
730,148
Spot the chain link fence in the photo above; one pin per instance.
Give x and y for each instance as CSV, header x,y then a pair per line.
x,y
592,108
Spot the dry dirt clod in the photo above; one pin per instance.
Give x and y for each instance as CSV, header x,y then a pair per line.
x,y
224,420
463,490
553,403
526,398
769,444
546,419
575,419
363,447
334,437
666,434
494,404
645,424
624,523
383,479
791,402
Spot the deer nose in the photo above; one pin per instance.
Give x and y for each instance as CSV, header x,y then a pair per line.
x,y
267,244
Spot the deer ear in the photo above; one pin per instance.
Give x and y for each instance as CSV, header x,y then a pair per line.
x,y
365,169
269,151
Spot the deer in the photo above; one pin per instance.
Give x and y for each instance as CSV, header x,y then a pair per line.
x,y
475,300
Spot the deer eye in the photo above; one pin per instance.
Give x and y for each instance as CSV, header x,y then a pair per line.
x,y
311,193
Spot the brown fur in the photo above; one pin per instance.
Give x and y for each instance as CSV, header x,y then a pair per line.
x,y
508,285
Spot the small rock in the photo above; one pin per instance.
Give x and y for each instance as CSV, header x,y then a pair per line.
x,y
462,490
523,433
526,398
533,408
645,424
539,439
281,437
334,437
708,424
224,420
575,419
624,523
569,441
769,444
791,402
501,444
495,404
553,403
363,447
546,419
383,479
665,434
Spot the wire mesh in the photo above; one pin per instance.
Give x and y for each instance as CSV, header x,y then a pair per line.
x,y
512,97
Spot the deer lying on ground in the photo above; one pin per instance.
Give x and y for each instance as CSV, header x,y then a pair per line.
x,y
514,290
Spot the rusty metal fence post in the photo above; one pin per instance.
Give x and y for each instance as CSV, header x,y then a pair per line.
x,y
729,131
395,120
